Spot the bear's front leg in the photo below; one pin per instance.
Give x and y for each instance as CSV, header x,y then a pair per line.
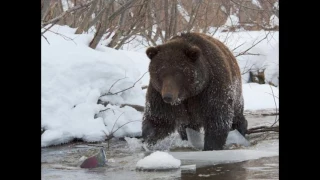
x,y
182,130
154,129
216,131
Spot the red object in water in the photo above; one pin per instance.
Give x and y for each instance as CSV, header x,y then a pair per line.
x,y
98,160
91,162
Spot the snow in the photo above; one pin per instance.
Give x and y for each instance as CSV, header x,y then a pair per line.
x,y
184,13
232,20
74,76
256,2
274,21
263,55
223,9
260,96
158,161
276,5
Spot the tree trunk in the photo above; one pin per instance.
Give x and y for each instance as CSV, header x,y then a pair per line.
x,y
85,22
102,27
119,32
166,19
44,8
60,11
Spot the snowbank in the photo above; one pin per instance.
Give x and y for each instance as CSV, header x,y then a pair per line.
x,y
260,96
158,161
74,76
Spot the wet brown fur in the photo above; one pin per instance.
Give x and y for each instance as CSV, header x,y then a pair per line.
x,y
207,78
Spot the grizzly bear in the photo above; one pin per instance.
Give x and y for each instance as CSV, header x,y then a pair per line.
x,y
195,82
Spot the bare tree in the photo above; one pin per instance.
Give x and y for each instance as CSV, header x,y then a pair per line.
x,y
156,21
84,26
44,8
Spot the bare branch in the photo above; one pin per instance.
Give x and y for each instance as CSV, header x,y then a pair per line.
x,y
112,133
116,122
134,106
116,82
238,46
85,22
246,6
275,107
242,53
45,38
56,19
262,129
65,37
110,93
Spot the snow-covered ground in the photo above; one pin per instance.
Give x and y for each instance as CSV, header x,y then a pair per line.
x,y
74,76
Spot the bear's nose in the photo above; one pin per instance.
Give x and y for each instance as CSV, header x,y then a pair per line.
x,y
167,98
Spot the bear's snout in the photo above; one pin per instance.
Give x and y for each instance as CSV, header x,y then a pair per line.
x,y
167,98
170,90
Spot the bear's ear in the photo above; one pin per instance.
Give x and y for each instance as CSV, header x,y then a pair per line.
x,y
151,52
193,53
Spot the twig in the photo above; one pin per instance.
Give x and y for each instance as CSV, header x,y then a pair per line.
x,y
111,135
116,121
247,69
259,127
251,54
103,110
276,120
238,46
63,36
272,95
262,129
134,106
110,93
116,82
242,53
45,38
46,29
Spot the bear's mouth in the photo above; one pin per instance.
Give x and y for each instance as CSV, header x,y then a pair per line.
x,y
171,99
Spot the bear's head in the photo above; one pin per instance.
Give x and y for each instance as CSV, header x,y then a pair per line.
x,y
177,71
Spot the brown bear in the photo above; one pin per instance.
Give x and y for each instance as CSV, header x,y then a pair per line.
x,y
195,82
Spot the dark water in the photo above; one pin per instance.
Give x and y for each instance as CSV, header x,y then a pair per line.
x,y
264,168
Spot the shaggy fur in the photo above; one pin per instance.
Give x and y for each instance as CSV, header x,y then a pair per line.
x,y
195,82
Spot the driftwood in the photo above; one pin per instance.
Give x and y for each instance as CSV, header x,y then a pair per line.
x,y
136,107
261,129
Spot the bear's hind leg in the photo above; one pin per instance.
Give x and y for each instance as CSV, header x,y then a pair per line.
x,y
240,123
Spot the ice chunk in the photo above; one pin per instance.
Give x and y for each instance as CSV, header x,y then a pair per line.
x,y
188,168
197,139
158,161
234,137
